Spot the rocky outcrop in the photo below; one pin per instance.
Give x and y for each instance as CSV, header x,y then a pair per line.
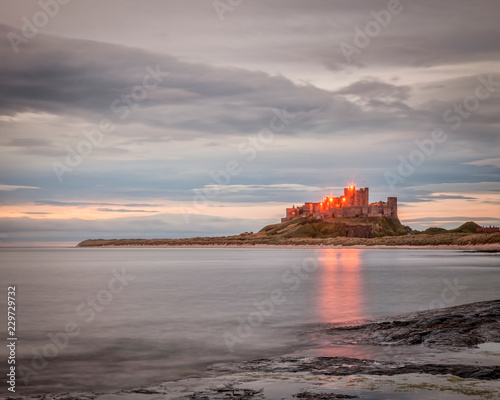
x,y
345,366
461,326
449,328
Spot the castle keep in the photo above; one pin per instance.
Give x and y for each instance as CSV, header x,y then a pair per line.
x,y
353,204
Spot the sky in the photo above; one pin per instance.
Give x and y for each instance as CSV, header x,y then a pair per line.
x,y
127,119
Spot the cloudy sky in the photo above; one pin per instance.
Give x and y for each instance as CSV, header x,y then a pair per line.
x,y
178,118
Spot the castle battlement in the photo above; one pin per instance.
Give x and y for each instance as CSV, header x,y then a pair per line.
x,y
353,204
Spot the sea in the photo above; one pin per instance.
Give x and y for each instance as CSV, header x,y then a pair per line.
x,y
108,319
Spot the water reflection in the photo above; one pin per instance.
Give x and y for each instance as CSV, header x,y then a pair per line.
x,y
341,292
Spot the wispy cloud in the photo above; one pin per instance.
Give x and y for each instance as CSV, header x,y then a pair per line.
x,y
10,188
89,203
488,161
125,210
285,187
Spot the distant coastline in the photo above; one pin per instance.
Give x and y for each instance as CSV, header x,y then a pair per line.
x,y
484,242
372,232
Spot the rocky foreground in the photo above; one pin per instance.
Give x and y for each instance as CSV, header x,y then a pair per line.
x,y
433,355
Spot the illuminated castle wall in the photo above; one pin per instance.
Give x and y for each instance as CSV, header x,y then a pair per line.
x,y
354,203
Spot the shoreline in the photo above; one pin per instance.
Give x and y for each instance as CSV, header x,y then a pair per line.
x,y
493,247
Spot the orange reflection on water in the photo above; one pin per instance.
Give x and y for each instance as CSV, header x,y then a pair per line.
x,y
341,291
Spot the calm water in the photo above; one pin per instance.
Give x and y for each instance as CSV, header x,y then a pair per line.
x,y
176,310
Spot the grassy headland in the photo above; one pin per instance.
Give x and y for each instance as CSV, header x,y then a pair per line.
x,y
373,231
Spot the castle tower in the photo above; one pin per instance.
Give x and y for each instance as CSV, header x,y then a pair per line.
x,y
350,196
392,205
363,197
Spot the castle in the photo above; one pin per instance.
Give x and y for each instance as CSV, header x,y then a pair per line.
x,y
353,204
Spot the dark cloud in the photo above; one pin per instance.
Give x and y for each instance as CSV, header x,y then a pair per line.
x,y
84,78
373,88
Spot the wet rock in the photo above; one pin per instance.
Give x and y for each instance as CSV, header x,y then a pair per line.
x,y
455,327
144,391
345,366
227,392
59,396
323,396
